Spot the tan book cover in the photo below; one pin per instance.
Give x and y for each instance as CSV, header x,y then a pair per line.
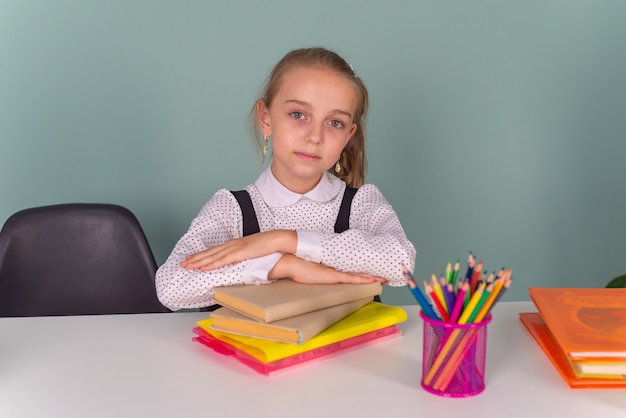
x,y
286,298
295,330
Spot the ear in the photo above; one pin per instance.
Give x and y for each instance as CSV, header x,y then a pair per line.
x,y
352,131
263,117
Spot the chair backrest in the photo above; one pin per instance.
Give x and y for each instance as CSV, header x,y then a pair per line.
x,y
76,259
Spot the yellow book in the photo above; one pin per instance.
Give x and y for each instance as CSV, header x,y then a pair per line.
x,y
371,317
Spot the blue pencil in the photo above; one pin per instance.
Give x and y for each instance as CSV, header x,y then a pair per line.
x,y
471,261
417,293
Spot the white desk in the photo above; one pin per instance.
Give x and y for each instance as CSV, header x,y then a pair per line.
x,y
147,366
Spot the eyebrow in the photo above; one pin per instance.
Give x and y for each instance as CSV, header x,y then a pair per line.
x,y
301,103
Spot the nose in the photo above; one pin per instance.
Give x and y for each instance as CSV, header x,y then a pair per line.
x,y
315,134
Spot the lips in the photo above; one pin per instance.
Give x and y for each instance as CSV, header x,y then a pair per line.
x,y
307,156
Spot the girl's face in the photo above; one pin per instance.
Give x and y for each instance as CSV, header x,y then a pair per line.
x,y
310,121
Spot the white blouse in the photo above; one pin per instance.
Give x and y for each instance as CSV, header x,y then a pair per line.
x,y
375,243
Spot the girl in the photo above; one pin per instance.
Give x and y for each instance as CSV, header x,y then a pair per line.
x,y
297,221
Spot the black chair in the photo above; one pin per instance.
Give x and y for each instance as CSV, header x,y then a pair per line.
x,y
76,259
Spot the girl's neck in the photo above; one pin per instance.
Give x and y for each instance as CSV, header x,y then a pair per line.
x,y
297,185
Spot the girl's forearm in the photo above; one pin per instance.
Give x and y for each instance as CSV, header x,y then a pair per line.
x,y
285,241
284,267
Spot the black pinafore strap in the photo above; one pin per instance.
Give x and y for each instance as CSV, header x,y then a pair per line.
x,y
250,222
343,217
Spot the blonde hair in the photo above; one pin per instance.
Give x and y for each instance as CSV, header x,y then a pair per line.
x,y
352,159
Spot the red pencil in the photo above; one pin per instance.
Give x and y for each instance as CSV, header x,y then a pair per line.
x,y
476,275
438,305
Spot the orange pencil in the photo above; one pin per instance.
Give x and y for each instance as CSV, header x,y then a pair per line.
x,y
482,313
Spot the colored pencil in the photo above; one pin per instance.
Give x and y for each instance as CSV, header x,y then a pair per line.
x,y
476,275
449,273
448,293
505,287
482,313
437,289
440,308
455,272
417,293
466,341
451,297
467,311
471,262
458,305
481,301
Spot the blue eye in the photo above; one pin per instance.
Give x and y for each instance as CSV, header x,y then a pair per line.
x,y
336,124
297,115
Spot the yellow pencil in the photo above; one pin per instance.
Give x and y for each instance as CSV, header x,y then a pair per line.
x,y
439,293
481,302
487,305
467,311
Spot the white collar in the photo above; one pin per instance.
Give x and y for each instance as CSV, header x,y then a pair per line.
x,y
277,195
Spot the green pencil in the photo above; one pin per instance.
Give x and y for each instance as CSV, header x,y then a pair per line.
x,y
480,303
455,272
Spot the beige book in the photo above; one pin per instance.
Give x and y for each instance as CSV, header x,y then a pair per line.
x,y
295,330
286,298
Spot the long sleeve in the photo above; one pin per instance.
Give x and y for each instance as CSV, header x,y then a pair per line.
x,y
219,221
375,243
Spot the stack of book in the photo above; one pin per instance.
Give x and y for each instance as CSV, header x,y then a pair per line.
x,y
583,333
273,327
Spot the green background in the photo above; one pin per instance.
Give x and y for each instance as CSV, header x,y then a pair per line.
x,y
495,126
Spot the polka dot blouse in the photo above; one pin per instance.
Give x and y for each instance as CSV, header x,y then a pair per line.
x,y
375,243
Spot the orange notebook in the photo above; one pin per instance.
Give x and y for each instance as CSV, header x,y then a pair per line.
x,y
586,323
540,332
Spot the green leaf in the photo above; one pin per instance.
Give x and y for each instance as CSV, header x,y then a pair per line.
x,y
618,282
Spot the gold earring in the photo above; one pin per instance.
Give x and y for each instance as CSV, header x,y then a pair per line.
x,y
337,168
265,141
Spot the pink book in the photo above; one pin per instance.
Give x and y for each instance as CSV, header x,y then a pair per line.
x,y
272,368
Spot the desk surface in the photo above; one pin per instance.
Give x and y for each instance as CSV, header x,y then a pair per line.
x,y
147,366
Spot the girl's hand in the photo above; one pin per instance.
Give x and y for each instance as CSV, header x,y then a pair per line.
x,y
303,271
241,249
